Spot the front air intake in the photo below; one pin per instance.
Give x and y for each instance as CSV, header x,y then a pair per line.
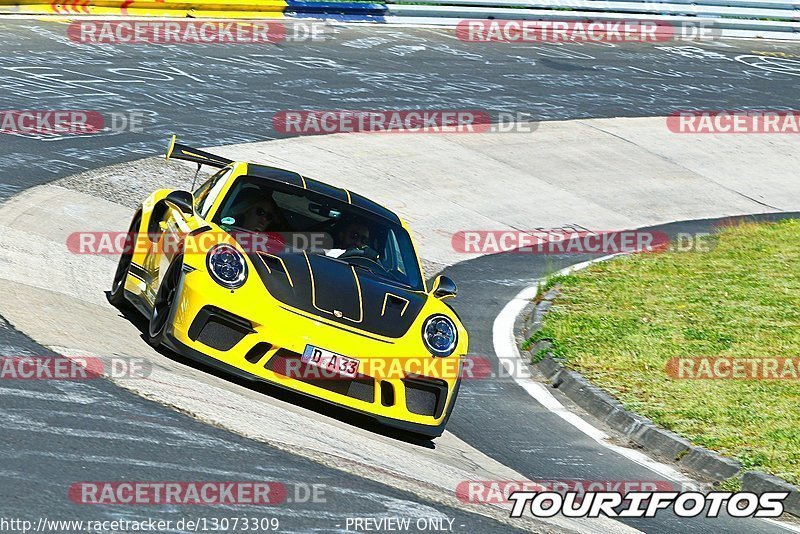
x,y
425,396
219,329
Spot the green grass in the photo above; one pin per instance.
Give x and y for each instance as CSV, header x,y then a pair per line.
x,y
619,322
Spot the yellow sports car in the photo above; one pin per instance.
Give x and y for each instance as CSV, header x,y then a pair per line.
x,y
273,276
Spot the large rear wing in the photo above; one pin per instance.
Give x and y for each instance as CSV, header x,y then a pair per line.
x,y
187,153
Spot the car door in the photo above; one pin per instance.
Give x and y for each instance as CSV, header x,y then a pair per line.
x,y
170,226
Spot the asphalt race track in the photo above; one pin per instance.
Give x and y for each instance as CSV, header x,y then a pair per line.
x,y
239,87
56,435
53,434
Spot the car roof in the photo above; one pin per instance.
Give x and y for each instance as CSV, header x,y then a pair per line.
x,y
343,195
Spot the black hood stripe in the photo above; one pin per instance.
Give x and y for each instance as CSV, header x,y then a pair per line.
x,y
266,258
343,292
396,297
320,286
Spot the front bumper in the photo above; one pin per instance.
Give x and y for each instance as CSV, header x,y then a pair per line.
x,y
406,426
244,340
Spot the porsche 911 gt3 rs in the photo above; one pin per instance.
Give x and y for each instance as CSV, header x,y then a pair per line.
x,y
343,315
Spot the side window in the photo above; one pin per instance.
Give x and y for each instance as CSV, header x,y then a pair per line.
x,y
392,260
206,194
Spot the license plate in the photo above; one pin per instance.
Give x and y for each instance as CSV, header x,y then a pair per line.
x,y
330,361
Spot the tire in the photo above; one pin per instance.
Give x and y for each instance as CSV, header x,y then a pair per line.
x,y
163,304
117,294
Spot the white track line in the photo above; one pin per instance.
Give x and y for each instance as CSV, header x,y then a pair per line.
x,y
505,346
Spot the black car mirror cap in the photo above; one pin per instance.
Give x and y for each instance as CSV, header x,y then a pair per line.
x,y
444,287
181,200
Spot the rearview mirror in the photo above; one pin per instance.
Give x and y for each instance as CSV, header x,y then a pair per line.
x,y
325,211
182,200
444,287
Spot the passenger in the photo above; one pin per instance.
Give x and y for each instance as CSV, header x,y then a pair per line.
x,y
260,215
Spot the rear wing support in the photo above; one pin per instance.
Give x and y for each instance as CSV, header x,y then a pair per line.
x,y
187,153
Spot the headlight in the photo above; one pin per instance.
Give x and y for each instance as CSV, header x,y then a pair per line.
x,y
227,266
440,335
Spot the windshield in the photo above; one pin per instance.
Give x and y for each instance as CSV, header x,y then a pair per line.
x,y
371,243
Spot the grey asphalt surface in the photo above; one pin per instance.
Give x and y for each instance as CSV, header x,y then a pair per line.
x,y
58,433
219,94
53,434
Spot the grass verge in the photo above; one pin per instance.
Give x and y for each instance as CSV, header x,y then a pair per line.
x,y
620,322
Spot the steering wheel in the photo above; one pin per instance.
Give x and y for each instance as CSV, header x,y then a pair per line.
x,y
366,254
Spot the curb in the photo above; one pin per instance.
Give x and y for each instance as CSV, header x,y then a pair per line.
x,y
758,482
639,430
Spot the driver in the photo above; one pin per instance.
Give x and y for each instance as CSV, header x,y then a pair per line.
x,y
354,235
260,215
352,239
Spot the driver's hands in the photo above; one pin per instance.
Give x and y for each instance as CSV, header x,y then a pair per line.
x,y
363,251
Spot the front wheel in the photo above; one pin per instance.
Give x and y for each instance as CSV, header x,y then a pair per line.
x,y
117,294
165,299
